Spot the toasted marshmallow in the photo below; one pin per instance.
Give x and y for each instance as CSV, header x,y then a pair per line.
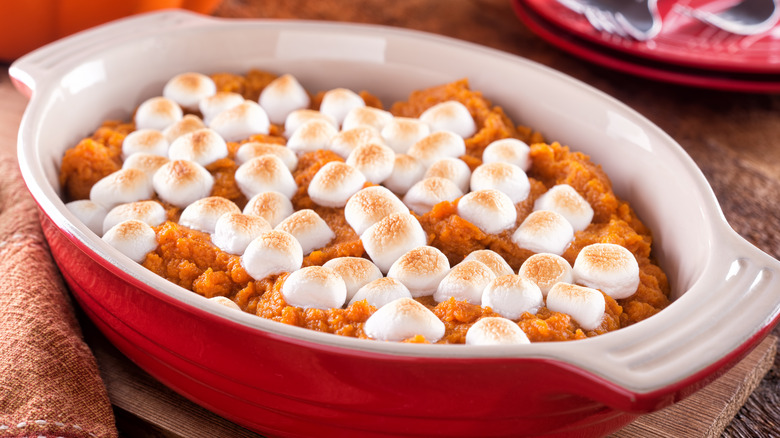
x,y
225,301
274,207
282,96
407,171
512,295
311,136
215,104
492,260
369,205
265,173
401,133
157,113
374,160
315,287
241,121
392,237
338,102
508,150
433,147
504,177
187,89
583,304
545,270
381,291
347,140
149,212
309,228
494,330
334,183
420,270
450,116
298,118
565,200
422,196
453,169
147,163
355,271
250,150
272,252
121,187
401,319
202,215
465,282
182,182
203,146
609,268
188,123
234,231
148,141
132,238
90,213
366,115
490,210
544,231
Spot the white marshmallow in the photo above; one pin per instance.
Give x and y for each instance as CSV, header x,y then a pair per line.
x,y
273,252
157,113
374,160
202,215
182,182
392,237
241,121
355,271
90,213
401,133
265,173
465,282
493,330
187,89
407,171
369,205
450,116
609,268
565,200
512,295
585,305
148,163
338,102
309,228
492,260
504,177
188,123
149,212
132,238
221,101
203,146
366,115
489,210
401,319
274,207
314,287
421,270
225,301
149,141
381,291
453,169
508,150
311,136
545,270
253,149
234,231
334,183
121,187
428,192
282,96
347,140
436,146
297,118
544,231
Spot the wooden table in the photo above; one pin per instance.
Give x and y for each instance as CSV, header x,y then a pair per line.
x,y
733,137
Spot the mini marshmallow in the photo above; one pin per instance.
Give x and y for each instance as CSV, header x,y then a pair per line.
x,y
187,89
420,270
508,150
311,136
157,113
202,215
374,160
338,102
188,123
149,212
450,116
241,121
492,260
253,149
355,271
121,187
225,301
512,295
149,141
433,147
366,115
132,238
369,205
90,213
203,146
465,282
282,96
274,207
407,171
422,196
401,133
392,237
309,228
489,210
182,182
544,231
504,177
585,305
234,231
148,163
401,319
493,330
334,183
609,268
381,291
545,270
453,169
297,118
273,252
347,140
264,174
314,287
215,104
565,200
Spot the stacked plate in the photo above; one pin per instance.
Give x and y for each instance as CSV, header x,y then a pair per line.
x,y
686,51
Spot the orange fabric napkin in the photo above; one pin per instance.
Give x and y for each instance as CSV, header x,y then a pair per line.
x,y
49,380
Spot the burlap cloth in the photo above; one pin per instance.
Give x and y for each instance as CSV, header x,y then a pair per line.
x,y
49,380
